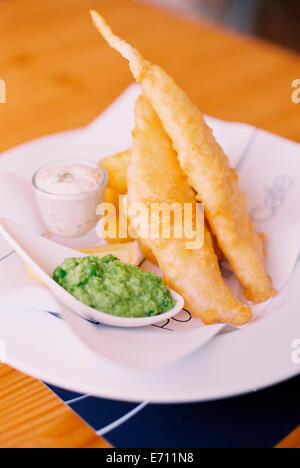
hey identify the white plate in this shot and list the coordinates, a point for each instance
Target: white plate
(234, 363)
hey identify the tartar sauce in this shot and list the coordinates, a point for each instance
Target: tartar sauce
(68, 194)
(68, 179)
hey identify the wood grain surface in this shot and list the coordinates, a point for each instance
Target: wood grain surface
(60, 74)
(292, 441)
(32, 416)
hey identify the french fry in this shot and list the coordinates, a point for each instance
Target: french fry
(116, 167)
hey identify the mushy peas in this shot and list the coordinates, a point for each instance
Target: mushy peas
(113, 287)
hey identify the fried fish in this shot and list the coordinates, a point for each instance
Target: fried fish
(206, 166)
(117, 166)
(155, 176)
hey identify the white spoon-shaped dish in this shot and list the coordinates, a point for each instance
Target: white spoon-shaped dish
(43, 256)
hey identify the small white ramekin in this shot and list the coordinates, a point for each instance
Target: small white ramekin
(71, 215)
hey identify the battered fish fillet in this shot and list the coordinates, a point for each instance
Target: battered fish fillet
(155, 176)
(117, 166)
(206, 166)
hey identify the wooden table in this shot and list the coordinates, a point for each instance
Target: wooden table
(60, 74)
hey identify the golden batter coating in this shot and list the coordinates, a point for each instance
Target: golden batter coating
(155, 176)
(206, 166)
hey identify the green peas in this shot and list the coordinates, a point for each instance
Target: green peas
(91, 270)
(115, 288)
(59, 274)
